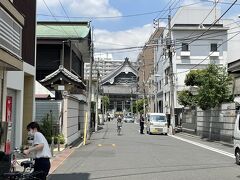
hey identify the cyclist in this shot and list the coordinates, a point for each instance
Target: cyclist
(119, 124)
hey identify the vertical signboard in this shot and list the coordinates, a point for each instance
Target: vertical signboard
(9, 123)
(9, 109)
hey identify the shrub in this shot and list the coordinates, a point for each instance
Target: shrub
(60, 137)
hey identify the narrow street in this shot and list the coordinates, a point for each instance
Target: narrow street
(134, 156)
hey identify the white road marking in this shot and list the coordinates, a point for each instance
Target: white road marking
(80, 145)
(205, 146)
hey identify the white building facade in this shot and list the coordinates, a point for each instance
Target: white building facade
(196, 43)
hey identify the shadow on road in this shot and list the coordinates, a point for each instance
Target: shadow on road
(73, 176)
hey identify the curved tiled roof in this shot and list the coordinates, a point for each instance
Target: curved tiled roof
(66, 73)
(125, 67)
(62, 29)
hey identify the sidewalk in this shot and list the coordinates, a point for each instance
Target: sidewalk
(59, 158)
(228, 147)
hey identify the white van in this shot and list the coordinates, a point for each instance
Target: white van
(236, 139)
(157, 123)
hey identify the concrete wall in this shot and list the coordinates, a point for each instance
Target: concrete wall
(189, 121)
(73, 122)
(72, 125)
(216, 124)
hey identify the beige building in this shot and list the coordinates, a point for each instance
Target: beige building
(17, 70)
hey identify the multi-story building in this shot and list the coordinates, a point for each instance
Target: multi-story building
(146, 61)
(17, 74)
(104, 64)
(234, 56)
(196, 43)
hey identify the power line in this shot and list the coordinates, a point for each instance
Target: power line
(67, 16)
(160, 14)
(215, 5)
(189, 38)
(53, 15)
(209, 54)
(213, 23)
(160, 45)
(227, 3)
(122, 16)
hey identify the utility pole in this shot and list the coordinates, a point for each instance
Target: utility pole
(144, 93)
(131, 103)
(169, 47)
(96, 117)
(90, 90)
(154, 80)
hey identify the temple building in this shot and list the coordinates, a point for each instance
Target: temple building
(120, 87)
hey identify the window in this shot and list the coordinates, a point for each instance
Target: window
(213, 47)
(185, 47)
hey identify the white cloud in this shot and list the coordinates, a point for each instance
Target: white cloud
(199, 3)
(93, 8)
(122, 39)
(79, 7)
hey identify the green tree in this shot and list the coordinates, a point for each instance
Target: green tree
(105, 103)
(186, 98)
(195, 78)
(139, 104)
(213, 87)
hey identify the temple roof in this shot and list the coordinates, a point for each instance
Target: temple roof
(125, 67)
(48, 29)
(62, 72)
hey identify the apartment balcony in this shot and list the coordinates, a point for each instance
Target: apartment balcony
(214, 54)
(185, 53)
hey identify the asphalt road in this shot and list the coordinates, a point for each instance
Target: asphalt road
(133, 156)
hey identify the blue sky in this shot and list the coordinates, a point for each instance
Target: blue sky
(120, 32)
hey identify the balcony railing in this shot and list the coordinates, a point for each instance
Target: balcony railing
(185, 53)
(10, 34)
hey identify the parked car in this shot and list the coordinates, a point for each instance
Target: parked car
(157, 123)
(236, 140)
(128, 119)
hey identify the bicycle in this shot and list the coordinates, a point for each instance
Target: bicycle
(26, 174)
(119, 127)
